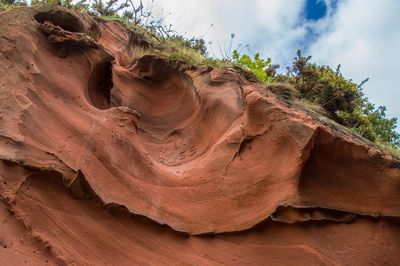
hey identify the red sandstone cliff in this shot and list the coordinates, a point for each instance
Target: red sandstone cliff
(105, 161)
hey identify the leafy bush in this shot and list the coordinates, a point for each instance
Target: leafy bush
(342, 99)
(258, 66)
(372, 123)
(322, 85)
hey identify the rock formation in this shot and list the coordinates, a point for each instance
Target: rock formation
(110, 159)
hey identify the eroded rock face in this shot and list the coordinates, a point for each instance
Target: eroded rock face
(105, 159)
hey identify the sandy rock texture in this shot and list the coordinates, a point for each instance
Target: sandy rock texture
(109, 160)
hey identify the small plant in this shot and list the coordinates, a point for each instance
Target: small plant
(258, 66)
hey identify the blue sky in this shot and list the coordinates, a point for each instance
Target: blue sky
(361, 35)
(315, 10)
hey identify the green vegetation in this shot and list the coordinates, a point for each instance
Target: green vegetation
(258, 66)
(12, 2)
(315, 87)
(6, 4)
(342, 99)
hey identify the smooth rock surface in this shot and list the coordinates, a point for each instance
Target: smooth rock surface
(109, 160)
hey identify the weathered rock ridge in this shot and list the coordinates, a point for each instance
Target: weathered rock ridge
(109, 160)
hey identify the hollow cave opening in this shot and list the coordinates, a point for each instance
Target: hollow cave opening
(100, 84)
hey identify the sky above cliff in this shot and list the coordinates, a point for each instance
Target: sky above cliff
(362, 36)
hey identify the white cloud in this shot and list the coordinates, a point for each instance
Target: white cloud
(264, 25)
(365, 39)
(363, 36)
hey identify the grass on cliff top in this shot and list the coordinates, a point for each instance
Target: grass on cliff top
(175, 51)
(171, 48)
(4, 6)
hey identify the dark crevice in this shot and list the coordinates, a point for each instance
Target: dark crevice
(290, 214)
(63, 19)
(100, 84)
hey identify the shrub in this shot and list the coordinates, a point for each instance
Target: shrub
(371, 122)
(258, 66)
(322, 85)
(343, 99)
